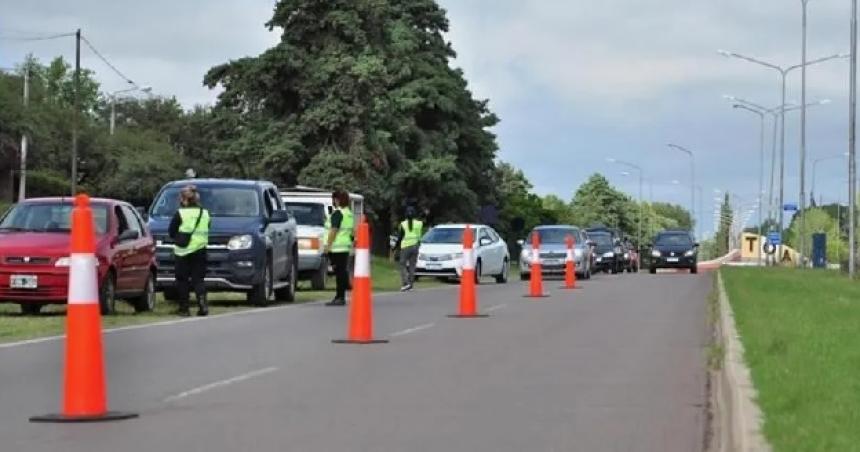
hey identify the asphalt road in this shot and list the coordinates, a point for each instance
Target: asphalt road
(618, 365)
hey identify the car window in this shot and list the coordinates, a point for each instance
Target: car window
(221, 201)
(131, 220)
(307, 213)
(674, 240)
(276, 200)
(49, 217)
(122, 223)
(267, 202)
(485, 235)
(494, 236)
(554, 235)
(443, 236)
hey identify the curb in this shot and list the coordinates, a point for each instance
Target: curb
(738, 416)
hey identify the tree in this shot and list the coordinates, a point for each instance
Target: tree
(818, 220)
(359, 95)
(723, 235)
(597, 202)
(681, 218)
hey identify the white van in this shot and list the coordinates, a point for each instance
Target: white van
(311, 207)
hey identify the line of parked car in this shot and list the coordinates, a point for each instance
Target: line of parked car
(263, 241)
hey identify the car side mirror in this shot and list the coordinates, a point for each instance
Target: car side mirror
(650, 245)
(143, 213)
(485, 242)
(696, 244)
(280, 216)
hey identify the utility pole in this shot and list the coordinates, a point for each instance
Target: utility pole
(77, 112)
(852, 123)
(22, 177)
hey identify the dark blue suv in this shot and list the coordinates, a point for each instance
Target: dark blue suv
(252, 240)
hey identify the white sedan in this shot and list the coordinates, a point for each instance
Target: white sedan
(441, 253)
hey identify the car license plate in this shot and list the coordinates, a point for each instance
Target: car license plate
(552, 261)
(434, 265)
(671, 259)
(23, 282)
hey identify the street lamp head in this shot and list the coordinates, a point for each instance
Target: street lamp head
(611, 159)
(724, 53)
(146, 89)
(824, 101)
(625, 173)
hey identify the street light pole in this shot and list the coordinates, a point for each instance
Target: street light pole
(692, 180)
(113, 96)
(802, 218)
(77, 112)
(22, 177)
(761, 170)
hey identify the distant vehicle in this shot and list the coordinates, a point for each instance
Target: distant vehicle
(311, 207)
(441, 252)
(674, 249)
(608, 252)
(34, 254)
(553, 251)
(630, 256)
(252, 241)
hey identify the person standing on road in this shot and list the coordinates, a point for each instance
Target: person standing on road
(408, 240)
(189, 230)
(339, 242)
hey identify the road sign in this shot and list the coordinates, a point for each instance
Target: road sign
(769, 248)
(774, 238)
(790, 207)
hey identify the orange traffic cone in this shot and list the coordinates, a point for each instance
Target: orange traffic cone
(569, 265)
(468, 297)
(361, 304)
(536, 279)
(84, 392)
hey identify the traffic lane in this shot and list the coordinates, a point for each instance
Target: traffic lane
(147, 365)
(617, 367)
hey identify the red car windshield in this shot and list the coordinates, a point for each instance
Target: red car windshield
(48, 217)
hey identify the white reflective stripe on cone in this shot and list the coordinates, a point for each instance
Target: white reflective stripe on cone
(535, 255)
(362, 263)
(83, 279)
(468, 259)
(570, 255)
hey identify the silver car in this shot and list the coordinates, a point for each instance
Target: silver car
(310, 230)
(553, 251)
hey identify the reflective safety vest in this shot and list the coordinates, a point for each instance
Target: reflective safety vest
(411, 237)
(200, 237)
(343, 240)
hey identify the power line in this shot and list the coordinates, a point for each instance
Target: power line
(34, 38)
(105, 61)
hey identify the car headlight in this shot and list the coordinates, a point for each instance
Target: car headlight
(608, 254)
(67, 261)
(240, 242)
(456, 256)
(690, 253)
(655, 253)
(422, 257)
(626, 255)
(526, 256)
(578, 252)
(309, 244)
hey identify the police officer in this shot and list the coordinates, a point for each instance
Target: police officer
(408, 240)
(339, 242)
(189, 229)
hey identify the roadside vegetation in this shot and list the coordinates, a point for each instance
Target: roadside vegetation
(14, 326)
(800, 331)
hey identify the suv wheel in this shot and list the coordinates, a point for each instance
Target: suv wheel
(653, 270)
(478, 272)
(146, 301)
(261, 294)
(318, 281)
(288, 293)
(694, 269)
(107, 295)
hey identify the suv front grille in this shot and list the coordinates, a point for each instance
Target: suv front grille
(27, 260)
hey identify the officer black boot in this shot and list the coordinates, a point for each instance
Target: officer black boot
(183, 310)
(203, 306)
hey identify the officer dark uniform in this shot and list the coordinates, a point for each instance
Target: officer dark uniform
(191, 220)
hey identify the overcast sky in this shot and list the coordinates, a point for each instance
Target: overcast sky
(573, 82)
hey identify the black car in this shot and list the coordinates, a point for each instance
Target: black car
(608, 253)
(252, 242)
(674, 249)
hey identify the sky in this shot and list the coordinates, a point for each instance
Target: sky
(574, 83)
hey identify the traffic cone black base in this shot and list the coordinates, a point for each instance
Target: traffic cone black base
(110, 416)
(536, 296)
(347, 341)
(471, 316)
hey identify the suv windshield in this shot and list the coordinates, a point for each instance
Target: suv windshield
(220, 201)
(307, 213)
(444, 235)
(554, 235)
(673, 240)
(49, 217)
(602, 239)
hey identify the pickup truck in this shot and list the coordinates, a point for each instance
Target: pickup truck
(252, 239)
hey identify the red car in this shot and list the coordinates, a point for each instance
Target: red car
(34, 254)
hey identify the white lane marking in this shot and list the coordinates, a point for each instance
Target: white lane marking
(249, 311)
(219, 384)
(496, 307)
(413, 330)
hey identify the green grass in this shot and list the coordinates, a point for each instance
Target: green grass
(14, 326)
(801, 333)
